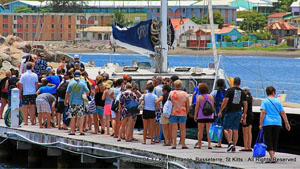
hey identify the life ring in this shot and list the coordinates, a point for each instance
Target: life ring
(7, 117)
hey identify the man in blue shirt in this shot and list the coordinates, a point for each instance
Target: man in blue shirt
(75, 101)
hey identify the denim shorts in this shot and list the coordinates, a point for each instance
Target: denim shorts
(232, 120)
(177, 119)
(100, 110)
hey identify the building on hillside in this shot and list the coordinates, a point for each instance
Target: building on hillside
(49, 26)
(262, 6)
(295, 21)
(94, 33)
(229, 30)
(281, 29)
(182, 26)
(295, 8)
(176, 9)
(275, 17)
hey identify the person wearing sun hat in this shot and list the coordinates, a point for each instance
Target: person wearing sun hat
(75, 101)
(107, 107)
(76, 60)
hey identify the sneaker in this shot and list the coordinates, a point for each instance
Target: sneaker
(230, 146)
(233, 150)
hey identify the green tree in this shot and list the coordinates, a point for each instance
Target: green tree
(65, 6)
(263, 34)
(23, 9)
(218, 19)
(253, 21)
(45, 10)
(227, 38)
(284, 5)
(119, 17)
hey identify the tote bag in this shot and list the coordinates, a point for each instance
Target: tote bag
(216, 130)
(259, 149)
(167, 109)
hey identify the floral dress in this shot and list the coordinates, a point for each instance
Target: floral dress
(123, 97)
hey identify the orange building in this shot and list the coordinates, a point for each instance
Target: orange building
(50, 26)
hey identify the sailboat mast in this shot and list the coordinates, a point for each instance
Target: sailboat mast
(164, 35)
(213, 41)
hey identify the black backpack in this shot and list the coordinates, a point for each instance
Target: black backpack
(207, 109)
(62, 90)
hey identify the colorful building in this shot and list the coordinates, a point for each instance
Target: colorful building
(275, 17)
(177, 9)
(229, 30)
(50, 26)
(262, 6)
(282, 29)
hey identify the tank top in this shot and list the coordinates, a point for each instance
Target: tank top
(200, 114)
(108, 99)
(98, 99)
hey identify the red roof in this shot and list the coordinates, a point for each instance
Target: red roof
(226, 28)
(277, 15)
(281, 25)
(176, 23)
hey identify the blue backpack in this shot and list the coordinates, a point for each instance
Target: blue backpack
(219, 98)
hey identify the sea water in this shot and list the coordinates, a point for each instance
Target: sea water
(256, 72)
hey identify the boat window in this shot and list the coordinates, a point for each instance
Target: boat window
(210, 83)
(144, 65)
(142, 85)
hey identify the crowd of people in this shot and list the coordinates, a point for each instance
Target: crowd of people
(68, 93)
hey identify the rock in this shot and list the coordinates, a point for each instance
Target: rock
(6, 65)
(10, 39)
(15, 63)
(5, 57)
(59, 55)
(2, 40)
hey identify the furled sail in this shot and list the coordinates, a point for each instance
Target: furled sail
(141, 38)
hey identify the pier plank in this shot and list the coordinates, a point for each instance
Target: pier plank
(190, 158)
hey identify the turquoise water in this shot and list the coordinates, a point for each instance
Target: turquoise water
(256, 72)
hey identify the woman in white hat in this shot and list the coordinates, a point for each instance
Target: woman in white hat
(107, 106)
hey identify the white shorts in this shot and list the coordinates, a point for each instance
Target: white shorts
(42, 106)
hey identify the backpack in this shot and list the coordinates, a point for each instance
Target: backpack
(62, 90)
(207, 109)
(115, 106)
(132, 105)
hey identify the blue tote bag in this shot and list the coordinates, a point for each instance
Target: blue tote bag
(259, 149)
(216, 130)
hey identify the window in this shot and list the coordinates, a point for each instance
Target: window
(84, 34)
(52, 17)
(34, 26)
(19, 25)
(61, 17)
(33, 17)
(41, 25)
(33, 35)
(52, 25)
(26, 18)
(26, 35)
(41, 35)
(52, 35)
(77, 35)
(70, 17)
(5, 16)
(27, 26)
(20, 34)
(77, 17)
(183, 10)
(60, 25)
(69, 26)
(5, 25)
(15, 26)
(69, 35)
(94, 34)
(60, 35)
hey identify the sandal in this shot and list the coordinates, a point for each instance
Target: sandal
(173, 147)
(185, 148)
(197, 147)
(82, 134)
(217, 146)
(152, 142)
(72, 134)
(119, 140)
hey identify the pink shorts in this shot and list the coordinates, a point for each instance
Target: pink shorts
(107, 109)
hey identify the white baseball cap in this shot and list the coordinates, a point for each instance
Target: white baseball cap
(76, 56)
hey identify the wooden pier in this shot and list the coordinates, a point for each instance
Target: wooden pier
(92, 146)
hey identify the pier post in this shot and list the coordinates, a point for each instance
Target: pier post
(87, 159)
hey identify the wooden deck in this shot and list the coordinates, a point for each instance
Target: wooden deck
(156, 154)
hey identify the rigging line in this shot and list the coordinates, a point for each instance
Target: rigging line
(262, 83)
(256, 73)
